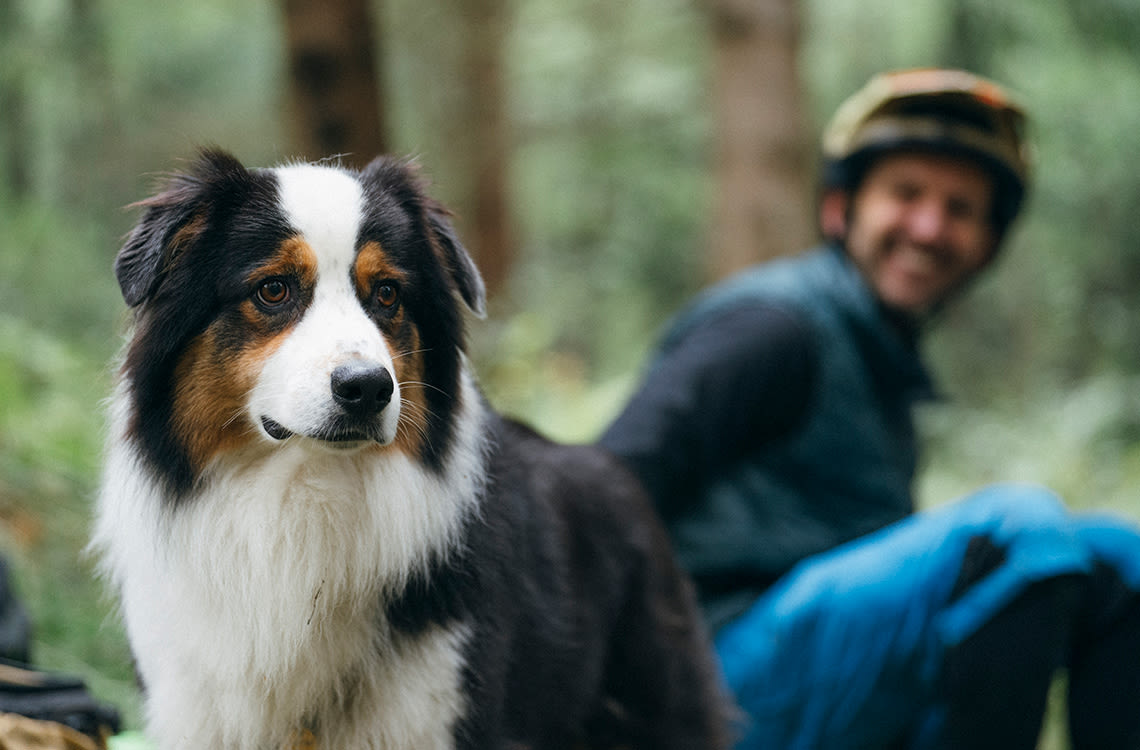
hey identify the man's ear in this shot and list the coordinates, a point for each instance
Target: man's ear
(833, 214)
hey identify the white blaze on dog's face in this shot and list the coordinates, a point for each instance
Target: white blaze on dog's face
(333, 377)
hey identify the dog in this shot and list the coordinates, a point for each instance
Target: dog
(319, 532)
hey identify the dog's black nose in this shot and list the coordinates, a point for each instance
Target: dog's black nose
(362, 388)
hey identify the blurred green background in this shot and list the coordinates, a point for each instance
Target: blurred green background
(609, 186)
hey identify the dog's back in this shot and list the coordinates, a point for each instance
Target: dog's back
(597, 628)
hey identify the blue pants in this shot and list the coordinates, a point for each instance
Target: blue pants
(861, 647)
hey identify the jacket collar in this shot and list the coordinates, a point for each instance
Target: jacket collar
(890, 340)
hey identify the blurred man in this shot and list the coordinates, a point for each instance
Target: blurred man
(774, 431)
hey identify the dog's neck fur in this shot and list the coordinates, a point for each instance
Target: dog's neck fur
(345, 532)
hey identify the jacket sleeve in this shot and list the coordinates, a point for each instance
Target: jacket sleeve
(734, 383)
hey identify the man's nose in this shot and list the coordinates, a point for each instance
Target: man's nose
(927, 221)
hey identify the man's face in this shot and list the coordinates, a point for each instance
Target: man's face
(919, 227)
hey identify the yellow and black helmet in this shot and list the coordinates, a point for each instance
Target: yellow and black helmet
(931, 109)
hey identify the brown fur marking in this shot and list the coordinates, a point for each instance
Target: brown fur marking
(212, 382)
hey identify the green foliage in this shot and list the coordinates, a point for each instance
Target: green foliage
(1083, 442)
(50, 429)
(55, 273)
(610, 189)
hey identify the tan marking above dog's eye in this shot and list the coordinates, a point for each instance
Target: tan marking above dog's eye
(387, 293)
(273, 292)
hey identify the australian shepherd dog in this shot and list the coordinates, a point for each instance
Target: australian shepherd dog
(320, 534)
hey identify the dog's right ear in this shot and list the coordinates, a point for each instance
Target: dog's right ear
(173, 221)
(464, 273)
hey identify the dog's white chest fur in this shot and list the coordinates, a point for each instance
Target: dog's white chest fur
(258, 603)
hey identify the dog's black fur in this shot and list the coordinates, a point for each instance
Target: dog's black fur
(588, 634)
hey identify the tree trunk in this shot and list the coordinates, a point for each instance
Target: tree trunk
(481, 139)
(334, 86)
(763, 205)
(17, 173)
(970, 39)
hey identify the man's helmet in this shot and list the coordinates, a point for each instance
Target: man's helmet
(944, 111)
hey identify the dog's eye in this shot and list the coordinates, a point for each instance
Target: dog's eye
(273, 292)
(387, 294)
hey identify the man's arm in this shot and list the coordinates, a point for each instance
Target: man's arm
(738, 381)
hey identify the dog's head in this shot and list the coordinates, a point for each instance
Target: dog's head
(303, 303)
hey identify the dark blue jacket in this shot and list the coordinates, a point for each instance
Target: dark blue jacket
(838, 377)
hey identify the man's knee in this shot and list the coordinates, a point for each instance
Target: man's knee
(1018, 506)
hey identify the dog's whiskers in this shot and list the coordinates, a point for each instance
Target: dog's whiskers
(417, 417)
(401, 355)
(423, 384)
(238, 413)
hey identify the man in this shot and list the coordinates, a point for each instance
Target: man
(775, 434)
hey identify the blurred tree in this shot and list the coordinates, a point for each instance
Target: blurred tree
(973, 34)
(480, 144)
(762, 207)
(97, 129)
(13, 104)
(334, 86)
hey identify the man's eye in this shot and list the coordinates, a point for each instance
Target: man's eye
(905, 191)
(387, 294)
(273, 293)
(964, 209)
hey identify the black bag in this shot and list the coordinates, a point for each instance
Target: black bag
(15, 627)
(42, 696)
(62, 699)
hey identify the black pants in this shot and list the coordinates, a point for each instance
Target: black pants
(997, 680)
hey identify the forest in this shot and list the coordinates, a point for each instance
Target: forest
(585, 146)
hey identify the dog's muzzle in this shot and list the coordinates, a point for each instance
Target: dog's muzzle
(361, 389)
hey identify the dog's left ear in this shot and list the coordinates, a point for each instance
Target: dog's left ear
(167, 226)
(463, 270)
(174, 221)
